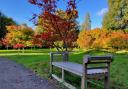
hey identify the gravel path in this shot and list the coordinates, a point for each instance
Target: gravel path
(14, 76)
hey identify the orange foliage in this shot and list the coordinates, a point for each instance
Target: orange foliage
(119, 40)
(99, 38)
(84, 39)
(13, 27)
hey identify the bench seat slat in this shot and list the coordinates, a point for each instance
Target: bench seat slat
(69, 66)
(77, 68)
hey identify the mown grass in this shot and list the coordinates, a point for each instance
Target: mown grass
(26, 51)
(40, 65)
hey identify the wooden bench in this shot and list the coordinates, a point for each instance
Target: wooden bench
(85, 71)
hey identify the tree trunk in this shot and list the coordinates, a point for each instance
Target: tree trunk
(23, 50)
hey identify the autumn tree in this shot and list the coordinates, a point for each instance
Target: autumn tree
(87, 23)
(56, 27)
(118, 40)
(27, 32)
(117, 15)
(37, 41)
(4, 21)
(17, 35)
(103, 39)
(87, 38)
(62, 14)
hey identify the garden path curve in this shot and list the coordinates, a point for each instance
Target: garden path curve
(15, 76)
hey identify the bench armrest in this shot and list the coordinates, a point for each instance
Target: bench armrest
(86, 58)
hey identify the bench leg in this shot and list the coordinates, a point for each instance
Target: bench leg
(84, 82)
(106, 82)
(51, 70)
(62, 75)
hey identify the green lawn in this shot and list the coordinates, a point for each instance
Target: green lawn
(38, 61)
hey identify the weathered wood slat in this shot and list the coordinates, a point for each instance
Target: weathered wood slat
(104, 59)
(69, 66)
(65, 83)
(100, 58)
(104, 67)
(77, 68)
(59, 53)
(98, 62)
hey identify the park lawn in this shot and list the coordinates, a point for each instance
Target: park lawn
(40, 65)
(36, 50)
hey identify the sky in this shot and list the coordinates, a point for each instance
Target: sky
(21, 11)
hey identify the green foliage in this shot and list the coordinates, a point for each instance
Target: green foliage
(27, 33)
(38, 29)
(5, 21)
(117, 15)
(29, 43)
(87, 23)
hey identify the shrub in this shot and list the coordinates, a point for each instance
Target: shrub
(118, 40)
(18, 46)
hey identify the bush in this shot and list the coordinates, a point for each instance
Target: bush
(119, 40)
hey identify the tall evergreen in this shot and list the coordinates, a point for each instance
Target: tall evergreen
(117, 15)
(87, 23)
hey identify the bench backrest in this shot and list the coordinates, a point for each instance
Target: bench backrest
(59, 56)
(98, 62)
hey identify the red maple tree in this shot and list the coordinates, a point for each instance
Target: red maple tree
(56, 28)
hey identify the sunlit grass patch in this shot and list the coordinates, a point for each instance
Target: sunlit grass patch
(122, 52)
(9, 54)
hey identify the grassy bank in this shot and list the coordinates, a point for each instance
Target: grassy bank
(38, 61)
